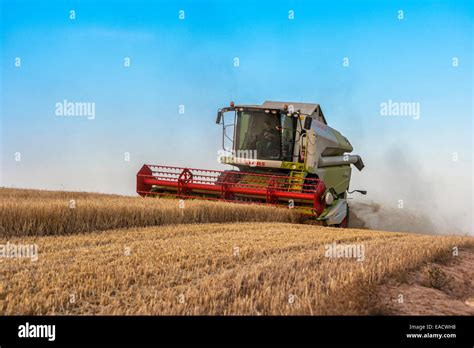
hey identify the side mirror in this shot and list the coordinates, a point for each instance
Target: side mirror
(219, 116)
(307, 122)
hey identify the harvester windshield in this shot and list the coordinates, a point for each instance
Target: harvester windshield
(269, 135)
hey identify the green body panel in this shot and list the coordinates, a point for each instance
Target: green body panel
(337, 177)
(343, 144)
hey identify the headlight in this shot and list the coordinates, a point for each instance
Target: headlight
(329, 198)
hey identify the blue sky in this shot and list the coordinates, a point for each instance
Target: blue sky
(190, 62)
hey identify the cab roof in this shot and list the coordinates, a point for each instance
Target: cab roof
(313, 110)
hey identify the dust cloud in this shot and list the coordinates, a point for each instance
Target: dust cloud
(374, 216)
(433, 203)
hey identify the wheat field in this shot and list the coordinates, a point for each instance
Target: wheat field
(244, 268)
(40, 213)
(225, 268)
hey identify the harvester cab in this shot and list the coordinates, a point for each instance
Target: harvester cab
(283, 154)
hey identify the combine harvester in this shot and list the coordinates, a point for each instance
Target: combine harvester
(283, 154)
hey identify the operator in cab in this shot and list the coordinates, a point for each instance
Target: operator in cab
(268, 143)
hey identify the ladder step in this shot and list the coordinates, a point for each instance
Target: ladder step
(296, 181)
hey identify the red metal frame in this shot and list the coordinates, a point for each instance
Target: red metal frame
(229, 186)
